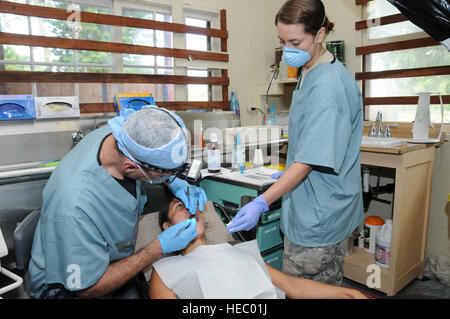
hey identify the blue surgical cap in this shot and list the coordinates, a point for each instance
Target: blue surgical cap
(151, 135)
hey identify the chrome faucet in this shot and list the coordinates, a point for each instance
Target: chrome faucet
(387, 130)
(373, 131)
(379, 119)
(380, 132)
(77, 137)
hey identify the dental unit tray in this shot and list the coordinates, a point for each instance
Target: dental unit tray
(132, 100)
(17, 107)
(57, 107)
(254, 178)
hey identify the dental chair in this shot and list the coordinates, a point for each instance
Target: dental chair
(148, 230)
(23, 241)
(5, 272)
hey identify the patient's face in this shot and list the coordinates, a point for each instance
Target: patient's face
(179, 213)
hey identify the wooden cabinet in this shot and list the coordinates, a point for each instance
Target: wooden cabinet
(413, 164)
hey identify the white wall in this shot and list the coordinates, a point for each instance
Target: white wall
(252, 40)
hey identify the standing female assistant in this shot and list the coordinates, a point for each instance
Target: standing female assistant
(321, 188)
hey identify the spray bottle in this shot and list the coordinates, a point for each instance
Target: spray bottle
(238, 154)
(272, 118)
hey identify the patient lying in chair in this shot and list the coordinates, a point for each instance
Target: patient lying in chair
(224, 271)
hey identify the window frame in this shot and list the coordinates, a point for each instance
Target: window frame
(154, 9)
(211, 20)
(370, 46)
(74, 64)
(210, 57)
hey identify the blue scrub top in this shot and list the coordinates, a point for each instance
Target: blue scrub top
(325, 131)
(88, 220)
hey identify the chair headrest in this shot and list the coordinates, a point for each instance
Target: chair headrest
(23, 239)
(148, 230)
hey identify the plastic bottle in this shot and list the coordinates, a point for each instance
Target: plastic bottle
(367, 192)
(234, 165)
(213, 155)
(234, 104)
(238, 154)
(372, 226)
(283, 71)
(258, 160)
(271, 118)
(383, 245)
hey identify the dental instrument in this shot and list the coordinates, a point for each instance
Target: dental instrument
(181, 230)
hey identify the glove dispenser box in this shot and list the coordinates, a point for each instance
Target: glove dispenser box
(57, 107)
(17, 107)
(132, 101)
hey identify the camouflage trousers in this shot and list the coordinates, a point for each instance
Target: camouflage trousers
(322, 264)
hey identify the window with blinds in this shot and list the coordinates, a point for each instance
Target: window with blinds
(399, 60)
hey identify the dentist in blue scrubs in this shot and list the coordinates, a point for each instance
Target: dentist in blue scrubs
(321, 187)
(84, 241)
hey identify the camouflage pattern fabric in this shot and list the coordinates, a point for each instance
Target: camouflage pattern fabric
(323, 264)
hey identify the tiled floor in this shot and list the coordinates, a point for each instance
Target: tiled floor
(426, 288)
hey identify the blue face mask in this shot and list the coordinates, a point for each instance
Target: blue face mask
(296, 58)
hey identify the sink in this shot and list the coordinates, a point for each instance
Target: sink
(382, 141)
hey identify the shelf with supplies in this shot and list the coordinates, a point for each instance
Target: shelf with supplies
(288, 82)
(410, 216)
(277, 87)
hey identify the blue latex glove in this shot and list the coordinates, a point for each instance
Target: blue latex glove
(248, 216)
(197, 196)
(178, 236)
(277, 175)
